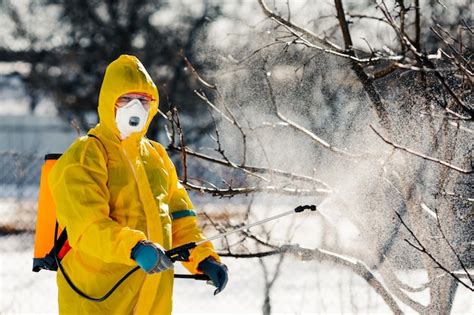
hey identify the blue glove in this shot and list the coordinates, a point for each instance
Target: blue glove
(151, 257)
(216, 271)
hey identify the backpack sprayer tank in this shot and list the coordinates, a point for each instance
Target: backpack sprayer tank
(45, 223)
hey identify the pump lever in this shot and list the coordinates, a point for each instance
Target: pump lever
(180, 253)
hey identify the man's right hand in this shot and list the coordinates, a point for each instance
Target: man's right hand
(151, 257)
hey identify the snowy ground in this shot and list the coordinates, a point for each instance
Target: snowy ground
(302, 288)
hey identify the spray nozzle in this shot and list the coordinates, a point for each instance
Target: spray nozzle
(305, 207)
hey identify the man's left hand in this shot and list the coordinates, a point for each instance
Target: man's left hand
(216, 271)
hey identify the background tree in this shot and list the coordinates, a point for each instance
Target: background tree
(67, 54)
(378, 129)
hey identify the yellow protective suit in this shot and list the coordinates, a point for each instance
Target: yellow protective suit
(110, 194)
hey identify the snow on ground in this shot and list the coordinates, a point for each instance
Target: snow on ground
(302, 288)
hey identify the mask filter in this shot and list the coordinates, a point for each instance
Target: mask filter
(131, 118)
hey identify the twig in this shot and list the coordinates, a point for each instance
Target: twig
(457, 58)
(219, 229)
(452, 248)
(182, 144)
(242, 133)
(363, 16)
(172, 133)
(224, 156)
(456, 168)
(76, 127)
(203, 96)
(230, 119)
(195, 73)
(217, 139)
(467, 26)
(289, 10)
(233, 120)
(423, 250)
(238, 62)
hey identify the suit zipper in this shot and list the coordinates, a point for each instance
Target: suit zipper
(138, 188)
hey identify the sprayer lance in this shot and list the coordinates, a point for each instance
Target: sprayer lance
(181, 253)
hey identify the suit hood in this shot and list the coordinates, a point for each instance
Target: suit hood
(125, 75)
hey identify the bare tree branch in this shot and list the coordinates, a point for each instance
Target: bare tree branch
(423, 250)
(177, 122)
(388, 272)
(305, 32)
(196, 74)
(341, 16)
(396, 286)
(234, 191)
(424, 60)
(256, 169)
(356, 266)
(417, 26)
(452, 248)
(364, 16)
(304, 130)
(456, 168)
(366, 81)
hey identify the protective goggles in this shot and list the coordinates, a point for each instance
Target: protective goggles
(144, 100)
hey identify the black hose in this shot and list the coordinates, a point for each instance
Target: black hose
(76, 289)
(116, 285)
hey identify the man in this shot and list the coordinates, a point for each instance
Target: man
(119, 197)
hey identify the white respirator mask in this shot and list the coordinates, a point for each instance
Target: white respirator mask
(131, 118)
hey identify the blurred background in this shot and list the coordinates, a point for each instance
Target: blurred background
(274, 106)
